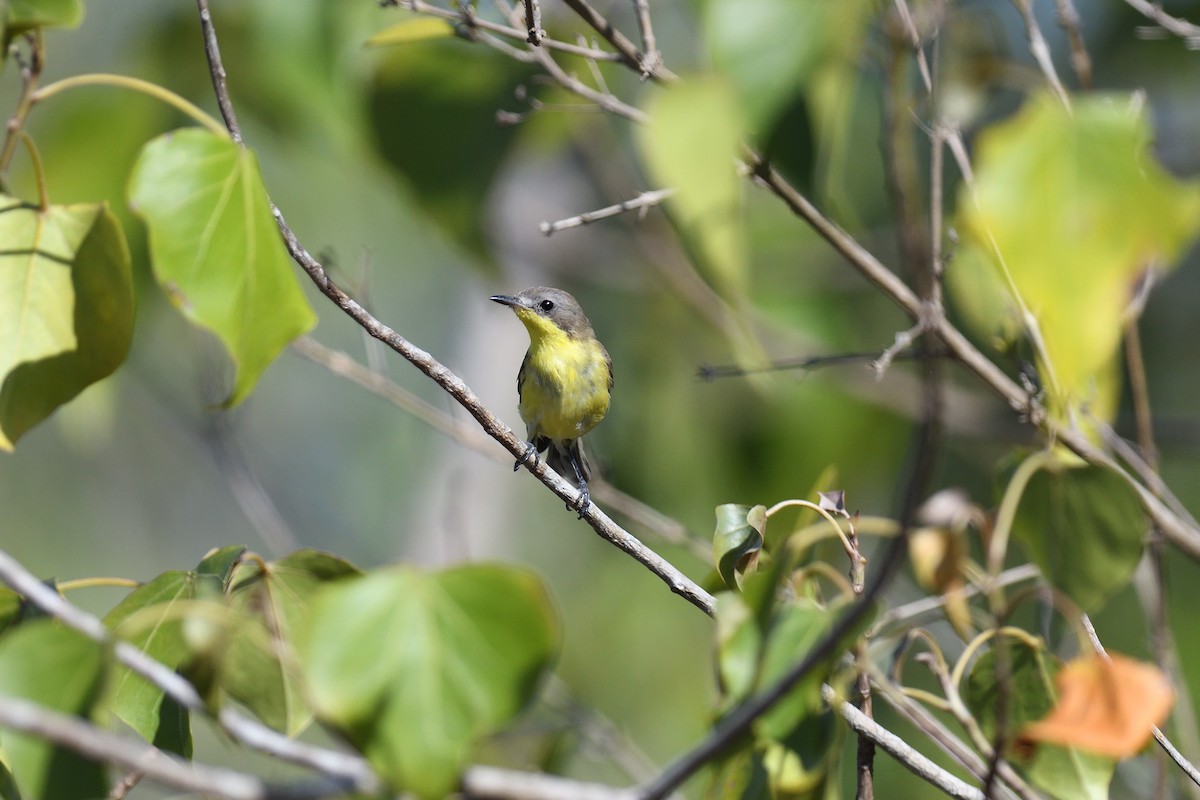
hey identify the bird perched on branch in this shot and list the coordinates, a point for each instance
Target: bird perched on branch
(564, 384)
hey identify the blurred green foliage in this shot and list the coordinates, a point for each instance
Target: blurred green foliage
(389, 162)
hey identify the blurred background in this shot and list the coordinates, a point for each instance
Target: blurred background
(392, 167)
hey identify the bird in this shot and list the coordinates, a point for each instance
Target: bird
(565, 382)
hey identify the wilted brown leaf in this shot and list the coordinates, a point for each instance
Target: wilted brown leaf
(1105, 706)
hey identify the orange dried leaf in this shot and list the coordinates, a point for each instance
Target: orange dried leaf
(1107, 707)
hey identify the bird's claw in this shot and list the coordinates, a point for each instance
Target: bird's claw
(582, 502)
(530, 453)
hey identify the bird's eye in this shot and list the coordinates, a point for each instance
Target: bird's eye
(546, 305)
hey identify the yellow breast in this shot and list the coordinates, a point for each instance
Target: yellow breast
(564, 386)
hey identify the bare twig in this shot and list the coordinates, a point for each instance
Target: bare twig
(494, 783)
(472, 23)
(642, 201)
(533, 22)
(628, 50)
(217, 70)
(1041, 51)
(652, 59)
(1188, 31)
(125, 785)
(917, 715)
(903, 615)
(898, 749)
(100, 745)
(1081, 62)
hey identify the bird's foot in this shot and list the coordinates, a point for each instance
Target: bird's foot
(529, 456)
(582, 502)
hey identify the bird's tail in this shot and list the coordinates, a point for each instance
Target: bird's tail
(558, 458)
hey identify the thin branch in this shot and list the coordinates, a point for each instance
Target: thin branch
(628, 50)
(1081, 62)
(471, 22)
(1180, 27)
(898, 749)
(141, 758)
(605, 101)
(1041, 51)
(642, 201)
(533, 22)
(254, 734)
(918, 716)
(494, 783)
(652, 59)
(905, 614)
(217, 70)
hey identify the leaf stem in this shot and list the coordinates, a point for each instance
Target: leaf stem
(35, 159)
(137, 85)
(91, 583)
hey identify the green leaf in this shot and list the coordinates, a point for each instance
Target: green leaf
(739, 643)
(152, 617)
(413, 30)
(771, 49)
(1069, 208)
(260, 669)
(794, 631)
(62, 670)
(1060, 772)
(413, 667)
(221, 561)
(1084, 527)
(216, 249)
(66, 308)
(433, 113)
(25, 15)
(738, 540)
(691, 144)
(10, 608)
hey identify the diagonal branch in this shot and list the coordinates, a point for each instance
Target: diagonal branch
(161, 767)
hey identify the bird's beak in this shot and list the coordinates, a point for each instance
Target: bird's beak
(506, 300)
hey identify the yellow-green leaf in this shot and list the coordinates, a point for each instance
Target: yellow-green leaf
(24, 15)
(692, 143)
(66, 307)
(413, 30)
(216, 249)
(1069, 208)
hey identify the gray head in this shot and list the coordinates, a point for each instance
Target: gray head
(543, 306)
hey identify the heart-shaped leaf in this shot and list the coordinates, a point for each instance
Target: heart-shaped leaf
(1084, 527)
(1068, 209)
(153, 618)
(259, 669)
(216, 249)
(66, 307)
(413, 667)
